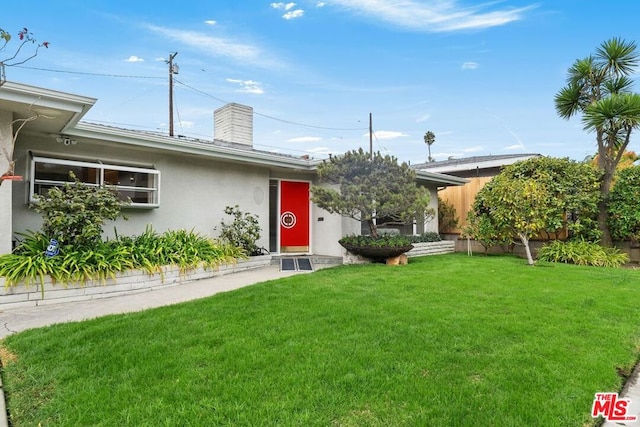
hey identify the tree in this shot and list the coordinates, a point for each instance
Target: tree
(25, 37)
(371, 189)
(572, 193)
(529, 197)
(516, 208)
(599, 88)
(429, 139)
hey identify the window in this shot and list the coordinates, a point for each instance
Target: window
(140, 185)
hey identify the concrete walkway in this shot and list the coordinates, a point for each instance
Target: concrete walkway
(20, 319)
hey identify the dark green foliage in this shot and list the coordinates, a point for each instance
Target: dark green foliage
(624, 205)
(384, 240)
(243, 231)
(572, 190)
(552, 193)
(371, 189)
(76, 212)
(425, 237)
(581, 252)
(447, 219)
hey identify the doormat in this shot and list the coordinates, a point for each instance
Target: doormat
(295, 264)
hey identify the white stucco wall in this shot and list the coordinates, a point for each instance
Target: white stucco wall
(7, 187)
(193, 191)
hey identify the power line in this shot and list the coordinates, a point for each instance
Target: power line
(266, 115)
(201, 92)
(88, 74)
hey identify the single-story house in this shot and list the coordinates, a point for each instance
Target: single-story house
(478, 170)
(173, 182)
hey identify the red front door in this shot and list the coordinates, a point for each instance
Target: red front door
(294, 216)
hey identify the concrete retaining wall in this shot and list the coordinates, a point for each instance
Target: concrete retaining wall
(125, 283)
(432, 248)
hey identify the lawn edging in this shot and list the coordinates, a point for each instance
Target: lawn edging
(128, 282)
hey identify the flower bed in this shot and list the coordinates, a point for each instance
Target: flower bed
(132, 281)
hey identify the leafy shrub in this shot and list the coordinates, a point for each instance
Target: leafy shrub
(624, 215)
(243, 231)
(447, 220)
(581, 252)
(149, 251)
(76, 212)
(430, 236)
(384, 240)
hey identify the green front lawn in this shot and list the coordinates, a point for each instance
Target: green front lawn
(446, 340)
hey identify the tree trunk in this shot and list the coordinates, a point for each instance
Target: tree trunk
(603, 208)
(525, 241)
(373, 229)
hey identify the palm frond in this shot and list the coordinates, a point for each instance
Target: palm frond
(618, 56)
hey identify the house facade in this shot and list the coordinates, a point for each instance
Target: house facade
(173, 182)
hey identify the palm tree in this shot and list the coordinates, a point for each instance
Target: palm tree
(429, 139)
(599, 88)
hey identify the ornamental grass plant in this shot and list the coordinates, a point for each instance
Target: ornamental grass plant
(149, 251)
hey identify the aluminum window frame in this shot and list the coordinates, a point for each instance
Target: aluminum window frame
(153, 191)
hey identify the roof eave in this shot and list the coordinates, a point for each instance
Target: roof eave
(133, 138)
(440, 179)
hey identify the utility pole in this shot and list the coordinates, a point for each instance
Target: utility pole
(173, 69)
(370, 137)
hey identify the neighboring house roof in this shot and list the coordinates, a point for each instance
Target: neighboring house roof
(64, 111)
(473, 163)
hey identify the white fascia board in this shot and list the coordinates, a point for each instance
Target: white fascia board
(47, 99)
(166, 143)
(440, 178)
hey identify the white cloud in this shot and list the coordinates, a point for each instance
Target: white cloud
(305, 139)
(285, 6)
(434, 16)
(323, 150)
(470, 65)
(217, 46)
(388, 134)
(210, 22)
(423, 118)
(320, 4)
(515, 147)
(293, 14)
(134, 58)
(248, 86)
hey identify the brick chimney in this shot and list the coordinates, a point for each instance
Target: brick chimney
(233, 123)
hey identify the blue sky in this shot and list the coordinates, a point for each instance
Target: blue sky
(480, 75)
